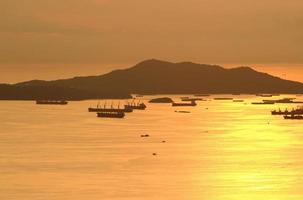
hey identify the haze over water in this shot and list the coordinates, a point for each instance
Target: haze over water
(230, 151)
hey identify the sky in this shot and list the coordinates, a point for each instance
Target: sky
(51, 39)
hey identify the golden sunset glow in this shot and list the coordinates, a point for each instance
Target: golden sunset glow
(90, 36)
(151, 99)
(244, 153)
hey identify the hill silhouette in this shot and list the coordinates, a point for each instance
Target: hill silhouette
(154, 77)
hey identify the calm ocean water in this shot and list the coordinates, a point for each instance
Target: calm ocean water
(221, 150)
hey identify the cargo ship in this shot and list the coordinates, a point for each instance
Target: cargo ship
(135, 106)
(297, 111)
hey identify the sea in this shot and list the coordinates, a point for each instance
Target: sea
(219, 150)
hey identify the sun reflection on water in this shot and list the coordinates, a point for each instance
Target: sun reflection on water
(220, 150)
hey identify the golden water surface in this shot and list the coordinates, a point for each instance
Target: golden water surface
(221, 150)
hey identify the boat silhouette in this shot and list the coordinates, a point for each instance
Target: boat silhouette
(111, 109)
(280, 112)
(192, 103)
(135, 106)
(115, 114)
(238, 100)
(223, 98)
(264, 95)
(51, 102)
(182, 111)
(284, 100)
(297, 111)
(191, 99)
(293, 117)
(263, 103)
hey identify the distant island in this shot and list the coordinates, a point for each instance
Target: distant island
(161, 100)
(153, 77)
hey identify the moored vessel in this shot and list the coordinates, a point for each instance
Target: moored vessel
(191, 99)
(182, 111)
(98, 108)
(192, 103)
(223, 98)
(287, 100)
(297, 111)
(238, 100)
(263, 103)
(51, 102)
(115, 114)
(284, 100)
(126, 110)
(264, 95)
(135, 106)
(294, 117)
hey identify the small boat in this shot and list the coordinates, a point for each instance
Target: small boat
(182, 111)
(294, 117)
(192, 103)
(111, 114)
(269, 101)
(223, 98)
(191, 99)
(264, 95)
(238, 100)
(51, 102)
(285, 100)
(146, 135)
(288, 100)
(263, 103)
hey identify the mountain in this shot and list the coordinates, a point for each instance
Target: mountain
(154, 77)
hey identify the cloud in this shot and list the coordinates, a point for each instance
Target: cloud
(108, 30)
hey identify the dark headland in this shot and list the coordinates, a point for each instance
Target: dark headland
(153, 77)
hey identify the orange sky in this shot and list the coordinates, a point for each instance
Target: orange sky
(50, 39)
(17, 73)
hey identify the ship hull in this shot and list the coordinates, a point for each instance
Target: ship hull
(263, 103)
(296, 117)
(183, 104)
(111, 115)
(125, 110)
